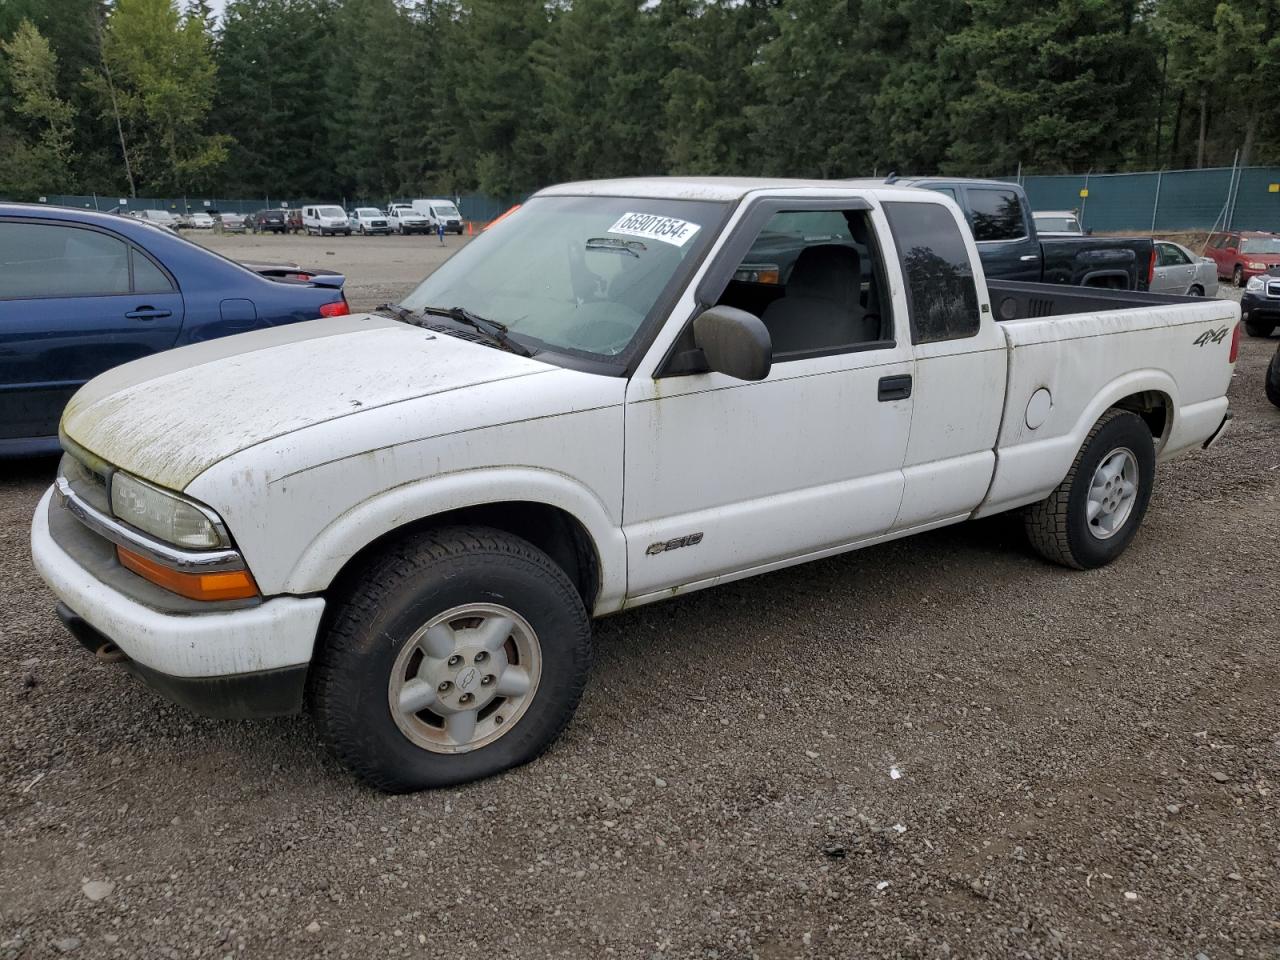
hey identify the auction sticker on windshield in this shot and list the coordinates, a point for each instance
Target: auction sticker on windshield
(653, 227)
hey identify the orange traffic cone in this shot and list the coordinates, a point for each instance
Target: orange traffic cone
(469, 233)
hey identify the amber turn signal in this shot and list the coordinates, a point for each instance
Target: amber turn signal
(224, 585)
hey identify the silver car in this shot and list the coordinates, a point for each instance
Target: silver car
(1180, 271)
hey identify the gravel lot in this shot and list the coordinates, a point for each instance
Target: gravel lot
(941, 747)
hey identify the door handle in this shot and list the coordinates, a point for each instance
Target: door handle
(894, 388)
(148, 313)
(1029, 257)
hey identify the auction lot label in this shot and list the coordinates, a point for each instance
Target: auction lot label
(650, 226)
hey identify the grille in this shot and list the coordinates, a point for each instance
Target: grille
(1273, 288)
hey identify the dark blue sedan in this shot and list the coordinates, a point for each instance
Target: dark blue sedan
(81, 292)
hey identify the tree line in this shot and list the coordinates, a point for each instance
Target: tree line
(381, 98)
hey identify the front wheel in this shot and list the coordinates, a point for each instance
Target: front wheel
(457, 654)
(1096, 510)
(1259, 328)
(1237, 276)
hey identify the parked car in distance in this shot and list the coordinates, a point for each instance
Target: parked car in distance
(81, 292)
(439, 211)
(1057, 223)
(201, 220)
(161, 218)
(232, 222)
(270, 221)
(370, 220)
(1243, 254)
(1180, 271)
(405, 219)
(1000, 218)
(418, 511)
(293, 220)
(1260, 303)
(325, 221)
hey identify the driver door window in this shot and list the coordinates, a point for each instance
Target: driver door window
(816, 280)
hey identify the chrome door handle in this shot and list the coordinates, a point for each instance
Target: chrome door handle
(1029, 256)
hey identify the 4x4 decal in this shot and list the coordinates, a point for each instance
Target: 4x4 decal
(1211, 336)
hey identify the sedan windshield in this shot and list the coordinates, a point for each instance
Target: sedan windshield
(575, 274)
(1260, 245)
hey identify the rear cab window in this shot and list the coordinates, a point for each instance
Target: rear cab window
(995, 214)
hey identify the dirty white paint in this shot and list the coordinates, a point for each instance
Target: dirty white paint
(231, 394)
(278, 633)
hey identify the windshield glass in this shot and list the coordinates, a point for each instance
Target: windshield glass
(575, 274)
(367, 212)
(1260, 245)
(331, 212)
(445, 210)
(1057, 224)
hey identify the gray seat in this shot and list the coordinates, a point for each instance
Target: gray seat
(821, 309)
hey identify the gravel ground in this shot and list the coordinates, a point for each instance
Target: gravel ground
(940, 747)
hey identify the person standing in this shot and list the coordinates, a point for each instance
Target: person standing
(440, 230)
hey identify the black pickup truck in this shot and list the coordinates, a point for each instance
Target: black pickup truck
(1000, 217)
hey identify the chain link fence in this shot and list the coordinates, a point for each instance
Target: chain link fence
(1240, 198)
(1222, 198)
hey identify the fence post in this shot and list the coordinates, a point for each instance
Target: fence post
(1156, 206)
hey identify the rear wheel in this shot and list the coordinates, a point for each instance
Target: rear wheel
(459, 653)
(1095, 512)
(1273, 379)
(1259, 328)
(1195, 291)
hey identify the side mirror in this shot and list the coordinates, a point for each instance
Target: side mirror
(735, 343)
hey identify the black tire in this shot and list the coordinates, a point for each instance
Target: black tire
(1259, 328)
(1058, 526)
(1237, 276)
(1273, 379)
(402, 590)
(1195, 291)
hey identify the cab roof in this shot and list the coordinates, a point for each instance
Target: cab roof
(722, 189)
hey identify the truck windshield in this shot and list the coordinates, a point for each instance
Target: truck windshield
(1260, 245)
(331, 212)
(578, 275)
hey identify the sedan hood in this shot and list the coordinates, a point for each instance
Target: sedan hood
(171, 416)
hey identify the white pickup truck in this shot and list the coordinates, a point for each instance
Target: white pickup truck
(404, 521)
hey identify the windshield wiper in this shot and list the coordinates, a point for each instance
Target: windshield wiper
(619, 246)
(495, 331)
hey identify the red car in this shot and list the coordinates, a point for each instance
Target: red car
(1243, 254)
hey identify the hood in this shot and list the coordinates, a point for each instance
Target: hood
(169, 417)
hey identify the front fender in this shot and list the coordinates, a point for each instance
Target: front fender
(352, 531)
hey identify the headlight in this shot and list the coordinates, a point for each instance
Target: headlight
(1256, 266)
(1254, 285)
(164, 515)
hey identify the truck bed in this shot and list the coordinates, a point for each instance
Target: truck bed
(1164, 356)
(1017, 300)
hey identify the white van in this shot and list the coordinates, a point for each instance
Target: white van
(440, 211)
(326, 220)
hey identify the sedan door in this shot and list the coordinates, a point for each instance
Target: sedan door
(75, 300)
(1174, 273)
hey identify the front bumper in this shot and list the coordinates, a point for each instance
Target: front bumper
(1257, 307)
(211, 661)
